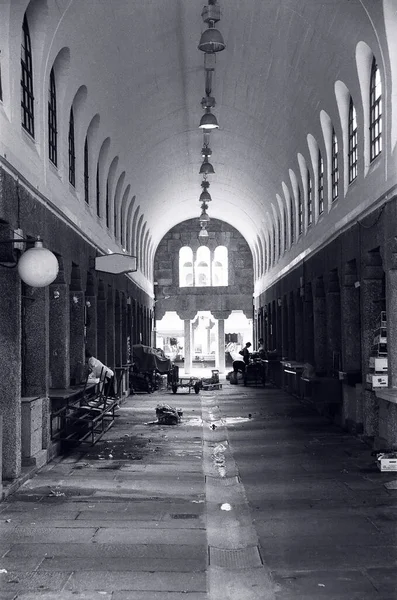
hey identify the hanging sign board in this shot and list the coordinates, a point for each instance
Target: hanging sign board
(116, 263)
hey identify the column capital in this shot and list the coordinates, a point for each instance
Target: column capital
(221, 314)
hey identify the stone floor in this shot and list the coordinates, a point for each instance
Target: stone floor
(253, 496)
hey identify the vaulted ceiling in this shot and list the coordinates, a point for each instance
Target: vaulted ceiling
(145, 78)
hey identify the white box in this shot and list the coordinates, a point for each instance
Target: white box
(379, 365)
(387, 464)
(378, 381)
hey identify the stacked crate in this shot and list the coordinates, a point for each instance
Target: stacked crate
(378, 365)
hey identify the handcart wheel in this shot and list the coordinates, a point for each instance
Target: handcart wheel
(174, 388)
(197, 387)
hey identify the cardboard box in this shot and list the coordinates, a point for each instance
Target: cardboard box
(378, 381)
(379, 365)
(387, 464)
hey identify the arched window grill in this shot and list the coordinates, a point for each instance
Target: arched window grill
(185, 267)
(52, 120)
(202, 272)
(285, 229)
(320, 174)
(375, 117)
(107, 206)
(309, 199)
(220, 266)
(353, 152)
(72, 155)
(300, 211)
(292, 221)
(334, 167)
(98, 194)
(27, 98)
(86, 176)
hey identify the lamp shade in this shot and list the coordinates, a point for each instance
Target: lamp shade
(208, 120)
(205, 196)
(38, 266)
(211, 41)
(203, 233)
(206, 168)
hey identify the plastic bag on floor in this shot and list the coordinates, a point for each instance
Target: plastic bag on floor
(168, 415)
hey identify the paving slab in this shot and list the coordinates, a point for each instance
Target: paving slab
(138, 581)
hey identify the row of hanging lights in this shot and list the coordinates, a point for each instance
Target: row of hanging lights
(211, 42)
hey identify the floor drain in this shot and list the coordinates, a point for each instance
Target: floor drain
(239, 558)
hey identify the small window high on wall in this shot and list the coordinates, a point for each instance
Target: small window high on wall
(185, 267)
(220, 266)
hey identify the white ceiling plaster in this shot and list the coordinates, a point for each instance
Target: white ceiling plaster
(145, 78)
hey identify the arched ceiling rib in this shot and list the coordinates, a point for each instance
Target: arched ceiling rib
(145, 79)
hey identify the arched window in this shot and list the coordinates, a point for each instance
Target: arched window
(375, 116)
(220, 266)
(353, 156)
(86, 176)
(292, 222)
(285, 229)
(27, 99)
(309, 199)
(107, 207)
(274, 244)
(320, 174)
(185, 267)
(52, 120)
(334, 167)
(202, 275)
(72, 155)
(300, 211)
(98, 195)
(279, 236)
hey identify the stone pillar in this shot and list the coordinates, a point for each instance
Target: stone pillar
(77, 342)
(299, 350)
(117, 330)
(35, 355)
(91, 324)
(371, 305)
(351, 345)
(285, 329)
(110, 330)
(320, 327)
(101, 323)
(333, 312)
(10, 380)
(308, 331)
(59, 326)
(391, 320)
(188, 346)
(279, 336)
(124, 307)
(221, 346)
(291, 327)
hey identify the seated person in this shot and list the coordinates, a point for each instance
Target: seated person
(97, 370)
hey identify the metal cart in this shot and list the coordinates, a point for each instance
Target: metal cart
(174, 381)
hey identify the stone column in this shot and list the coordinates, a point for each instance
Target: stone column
(117, 330)
(279, 336)
(308, 332)
(371, 306)
(320, 327)
(188, 346)
(124, 329)
(351, 345)
(285, 352)
(10, 380)
(91, 324)
(77, 345)
(291, 327)
(101, 323)
(299, 329)
(110, 330)
(59, 328)
(221, 346)
(333, 312)
(35, 353)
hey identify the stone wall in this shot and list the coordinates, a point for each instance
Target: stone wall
(186, 301)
